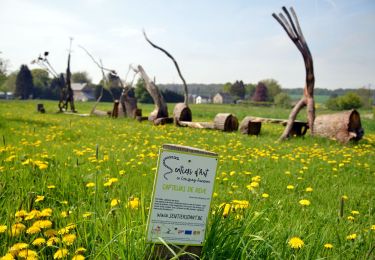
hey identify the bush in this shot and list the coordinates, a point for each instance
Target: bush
(349, 101)
(283, 100)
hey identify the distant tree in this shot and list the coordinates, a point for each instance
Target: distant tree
(3, 71)
(81, 77)
(226, 87)
(350, 100)
(172, 96)
(141, 93)
(237, 90)
(273, 88)
(10, 82)
(24, 83)
(283, 100)
(250, 89)
(365, 94)
(42, 84)
(261, 93)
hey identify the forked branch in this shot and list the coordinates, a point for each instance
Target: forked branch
(291, 26)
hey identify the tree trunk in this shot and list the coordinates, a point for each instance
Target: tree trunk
(343, 126)
(161, 109)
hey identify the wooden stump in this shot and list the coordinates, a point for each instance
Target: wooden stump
(115, 109)
(343, 126)
(226, 122)
(40, 108)
(182, 112)
(249, 127)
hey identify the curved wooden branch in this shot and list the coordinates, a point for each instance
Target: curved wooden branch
(292, 27)
(186, 98)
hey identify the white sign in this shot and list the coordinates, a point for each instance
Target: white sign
(182, 196)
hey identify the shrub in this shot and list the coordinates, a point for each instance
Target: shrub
(349, 101)
(283, 100)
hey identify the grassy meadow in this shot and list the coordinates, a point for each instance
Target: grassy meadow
(60, 199)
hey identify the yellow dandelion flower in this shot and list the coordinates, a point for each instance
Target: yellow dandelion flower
(344, 197)
(43, 224)
(21, 214)
(86, 214)
(80, 250)
(69, 239)
(33, 230)
(309, 189)
(304, 202)
(50, 233)
(42, 166)
(254, 184)
(63, 231)
(114, 202)
(372, 227)
(215, 195)
(33, 214)
(61, 253)
(3, 228)
(355, 212)
(240, 204)
(328, 246)
(265, 195)
(90, 185)
(64, 214)
(133, 203)
(46, 212)
(39, 198)
(78, 257)
(351, 237)
(51, 186)
(53, 241)
(296, 243)
(17, 247)
(350, 218)
(7, 256)
(290, 187)
(122, 172)
(39, 241)
(226, 209)
(17, 229)
(28, 253)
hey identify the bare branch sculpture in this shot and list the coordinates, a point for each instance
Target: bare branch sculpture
(181, 111)
(293, 30)
(161, 109)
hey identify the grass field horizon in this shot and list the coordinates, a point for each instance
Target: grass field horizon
(272, 200)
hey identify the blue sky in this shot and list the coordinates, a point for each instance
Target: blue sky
(213, 41)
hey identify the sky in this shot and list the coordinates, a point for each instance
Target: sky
(213, 41)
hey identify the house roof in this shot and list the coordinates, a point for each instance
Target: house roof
(224, 95)
(78, 86)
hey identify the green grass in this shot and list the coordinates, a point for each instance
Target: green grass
(128, 152)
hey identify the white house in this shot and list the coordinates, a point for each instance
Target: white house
(82, 92)
(202, 100)
(223, 98)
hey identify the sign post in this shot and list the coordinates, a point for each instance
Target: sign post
(181, 198)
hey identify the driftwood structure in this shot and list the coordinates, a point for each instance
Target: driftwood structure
(161, 108)
(252, 125)
(293, 29)
(181, 111)
(343, 126)
(223, 121)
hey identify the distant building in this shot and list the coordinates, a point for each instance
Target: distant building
(223, 98)
(82, 92)
(202, 100)
(192, 98)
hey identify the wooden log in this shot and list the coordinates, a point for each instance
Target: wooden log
(182, 112)
(200, 125)
(141, 118)
(163, 121)
(226, 122)
(100, 113)
(40, 108)
(249, 127)
(343, 126)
